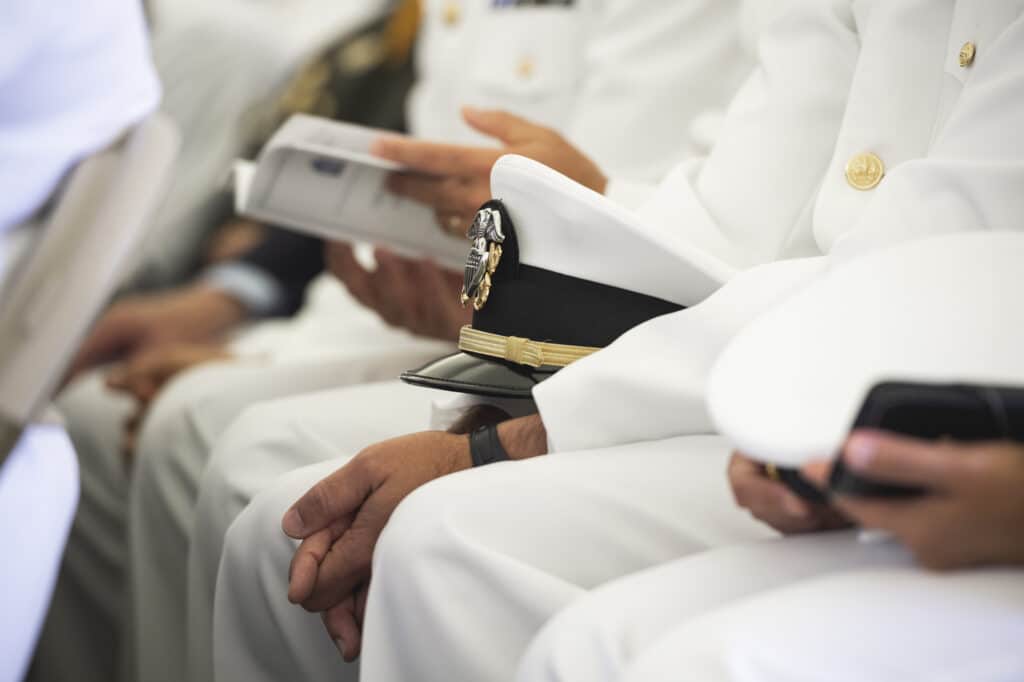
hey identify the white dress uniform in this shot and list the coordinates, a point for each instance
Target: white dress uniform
(826, 606)
(73, 76)
(863, 126)
(587, 69)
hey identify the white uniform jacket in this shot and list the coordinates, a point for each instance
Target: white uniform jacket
(866, 123)
(624, 80)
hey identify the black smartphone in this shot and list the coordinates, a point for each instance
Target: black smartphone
(958, 412)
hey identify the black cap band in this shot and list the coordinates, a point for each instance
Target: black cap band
(542, 305)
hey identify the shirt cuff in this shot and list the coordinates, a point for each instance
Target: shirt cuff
(258, 292)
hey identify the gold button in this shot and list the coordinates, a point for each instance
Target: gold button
(967, 53)
(865, 171)
(452, 13)
(526, 68)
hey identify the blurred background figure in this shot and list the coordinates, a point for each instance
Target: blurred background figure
(74, 75)
(220, 64)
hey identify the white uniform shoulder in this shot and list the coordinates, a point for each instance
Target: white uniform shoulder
(77, 67)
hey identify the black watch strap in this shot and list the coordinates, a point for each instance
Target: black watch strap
(485, 446)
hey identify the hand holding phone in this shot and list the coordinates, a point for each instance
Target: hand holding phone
(958, 412)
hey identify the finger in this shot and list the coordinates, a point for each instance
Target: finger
(345, 566)
(818, 472)
(422, 307)
(770, 498)
(145, 379)
(117, 378)
(509, 128)
(390, 285)
(348, 562)
(337, 254)
(761, 495)
(896, 459)
(788, 513)
(135, 371)
(434, 158)
(437, 282)
(150, 371)
(451, 223)
(129, 439)
(441, 194)
(742, 468)
(344, 629)
(109, 338)
(442, 289)
(353, 275)
(896, 516)
(361, 597)
(334, 498)
(305, 565)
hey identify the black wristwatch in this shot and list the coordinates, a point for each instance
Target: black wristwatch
(485, 446)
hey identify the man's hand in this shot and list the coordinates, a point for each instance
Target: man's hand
(233, 240)
(340, 518)
(773, 503)
(973, 514)
(145, 374)
(456, 180)
(194, 314)
(415, 295)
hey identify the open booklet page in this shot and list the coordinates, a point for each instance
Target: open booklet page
(317, 176)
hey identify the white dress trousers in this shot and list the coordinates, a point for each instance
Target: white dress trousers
(817, 607)
(153, 506)
(473, 564)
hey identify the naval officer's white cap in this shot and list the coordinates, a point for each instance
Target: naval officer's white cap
(556, 272)
(941, 310)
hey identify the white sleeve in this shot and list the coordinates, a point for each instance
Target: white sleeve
(649, 384)
(750, 201)
(651, 67)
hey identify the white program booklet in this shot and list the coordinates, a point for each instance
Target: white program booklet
(317, 176)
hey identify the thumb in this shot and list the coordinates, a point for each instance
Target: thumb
(108, 338)
(333, 498)
(508, 128)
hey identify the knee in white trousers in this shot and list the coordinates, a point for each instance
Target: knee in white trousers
(267, 442)
(885, 623)
(472, 565)
(258, 635)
